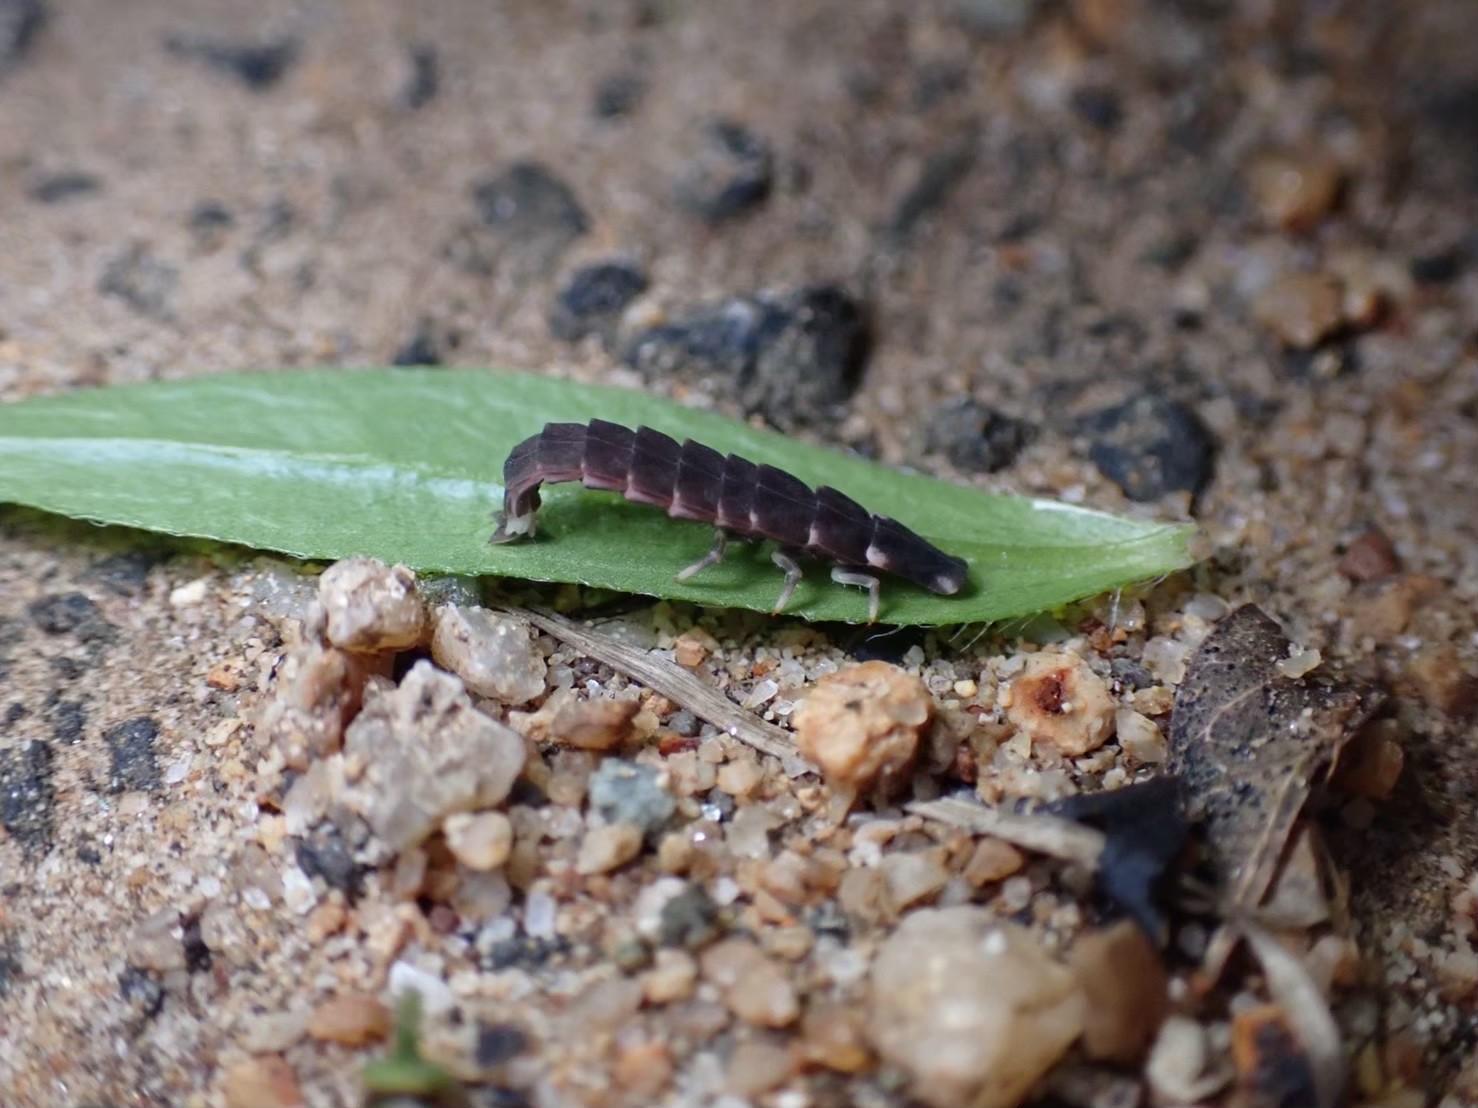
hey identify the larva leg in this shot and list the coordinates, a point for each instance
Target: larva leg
(714, 556)
(863, 581)
(792, 578)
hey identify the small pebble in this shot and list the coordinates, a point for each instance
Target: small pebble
(1295, 190)
(422, 752)
(991, 861)
(671, 978)
(973, 1011)
(1301, 309)
(436, 997)
(598, 725)
(1125, 985)
(862, 725)
(1140, 738)
(757, 1066)
(755, 988)
(730, 174)
(1150, 446)
(1440, 679)
(1057, 699)
(352, 1019)
(371, 607)
(911, 878)
(607, 848)
(626, 792)
(480, 841)
(493, 654)
(267, 1082)
(1371, 556)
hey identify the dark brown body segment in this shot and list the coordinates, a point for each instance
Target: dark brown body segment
(693, 481)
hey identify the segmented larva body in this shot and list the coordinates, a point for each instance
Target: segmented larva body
(739, 497)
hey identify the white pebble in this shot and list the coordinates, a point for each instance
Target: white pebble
(436, 997)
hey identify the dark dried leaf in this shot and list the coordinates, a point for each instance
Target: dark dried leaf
(1250, 745)
(1144, 829)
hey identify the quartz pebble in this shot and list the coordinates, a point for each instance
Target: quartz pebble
(598, 725)
(1125, 985)
(480, 841)
(757, 1066)
(1301, 309)
(910, 878)
(156, 942)
(862, 725)
(1139, 737)
(1057, 699)
(671, 978)
(492, 653)
(754, 987)
(1179, 1069)
(371, 607)
(607, 848)
(972, 1010)
(267, 1082)
(352, 1019)
(421, 752)
(833, 1036)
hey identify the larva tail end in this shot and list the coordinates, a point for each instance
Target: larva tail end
(511, 528)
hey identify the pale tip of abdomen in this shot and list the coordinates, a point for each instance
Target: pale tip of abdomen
(512, 527)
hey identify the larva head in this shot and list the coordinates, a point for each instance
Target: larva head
(899, 551)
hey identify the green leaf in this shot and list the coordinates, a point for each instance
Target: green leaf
(404, 465)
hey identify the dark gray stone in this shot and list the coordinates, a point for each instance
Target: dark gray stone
(257, 65)
(592, 300)
(976, 438)
(792, 359)
(141, 281)
(27, 797)
(135, 759)
(57, 187)
(528, 206)
(1150, 446)
(730, 174)
(20, 23)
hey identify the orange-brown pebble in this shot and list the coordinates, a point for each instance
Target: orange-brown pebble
(1294, 191)
(223, 676)
(992, 860)
(1057, 699)
(862, 725)
(692, 648)
(352, 1019)
(1383, 610)
(594, 724)
(1371, 556)
(1371, 765)
(265, 1082)
(326, 919)
(833, 1036)
(755, 988)
(1438, 676)
(1124, 984)
(644, 1068)
(1301, 309)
